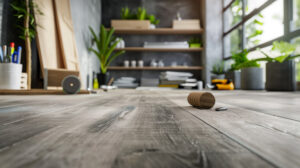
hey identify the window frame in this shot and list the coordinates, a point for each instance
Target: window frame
(289, 34)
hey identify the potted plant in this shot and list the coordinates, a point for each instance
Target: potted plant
(218, 71)
(24, 13)
(195, 43)
(138, 19)
(281, 70)
(234, 72)
(251, 75)
(106, 45)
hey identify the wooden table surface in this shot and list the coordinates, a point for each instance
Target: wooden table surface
(136, 129)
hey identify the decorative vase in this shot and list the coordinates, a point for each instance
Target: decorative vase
(281, 76)
(252, 79)
(103, 79)
(10, 76)
(235, 76)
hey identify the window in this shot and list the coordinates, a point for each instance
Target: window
(266, 25)
(297, 42)
(253, 4)
(233, 15)
(296, 14)
(233, 43)
(251, 24)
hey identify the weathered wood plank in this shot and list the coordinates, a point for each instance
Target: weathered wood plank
(138, 129)
(275, 139)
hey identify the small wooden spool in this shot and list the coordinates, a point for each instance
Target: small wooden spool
(202, 100)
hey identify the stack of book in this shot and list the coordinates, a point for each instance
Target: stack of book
(174, 79)
(126, 82)
(182, 44)
(149, 82)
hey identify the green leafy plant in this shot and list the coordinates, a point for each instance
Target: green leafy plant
(127, 14)
(218, 69)
(24, 12)
(140, 14)
(20, 8)
(153, 19)
(255, 29)
(105, 44)
(241, 61)
(195, 40)
(285, 51)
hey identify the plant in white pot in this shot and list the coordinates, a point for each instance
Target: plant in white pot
(218, 71)
(234, 72)
(105, 46)
(281, 70)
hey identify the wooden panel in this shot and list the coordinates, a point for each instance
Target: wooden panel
(186, 24)
(160, 31)
(194, 68)
(141, 49)
(66, 34)
(130, 24)
(55, 76)
(37, 92)
(47, 38)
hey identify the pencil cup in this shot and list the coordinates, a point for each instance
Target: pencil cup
(10, 76)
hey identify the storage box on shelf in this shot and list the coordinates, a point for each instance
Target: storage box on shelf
(193, 24)
(130, 24)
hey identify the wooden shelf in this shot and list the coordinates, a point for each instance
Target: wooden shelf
(141, 49)
(159, 31)
(37, 92)
(181, 68)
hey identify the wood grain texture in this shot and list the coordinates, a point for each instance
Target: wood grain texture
(179, 68)
(66, 34)
(47, 39)
(142, 49)
(134, 129)
(158, 31)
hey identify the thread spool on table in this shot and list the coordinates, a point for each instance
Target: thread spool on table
(202, 100)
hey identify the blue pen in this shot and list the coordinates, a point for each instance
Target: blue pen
(15, 57)
(19, 54)
(1, 55)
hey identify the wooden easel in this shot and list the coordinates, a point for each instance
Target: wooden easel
(56, 42)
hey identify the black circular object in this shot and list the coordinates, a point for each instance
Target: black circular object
(71, 84)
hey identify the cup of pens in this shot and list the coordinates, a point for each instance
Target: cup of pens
(10, 68)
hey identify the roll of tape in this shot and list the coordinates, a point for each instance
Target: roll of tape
(71, 84)
(203, 100)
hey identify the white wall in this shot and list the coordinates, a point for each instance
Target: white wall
(86, 13)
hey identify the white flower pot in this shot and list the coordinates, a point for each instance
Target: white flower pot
(10, 76)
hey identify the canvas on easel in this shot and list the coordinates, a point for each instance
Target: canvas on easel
(56, 41)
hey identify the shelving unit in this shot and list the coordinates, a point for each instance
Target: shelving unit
(141, 49)
(179, 68)
(158, 31)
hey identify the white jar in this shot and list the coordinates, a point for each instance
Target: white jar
(10, 76)
(133, 63)
(126, 63)
(141, 63)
